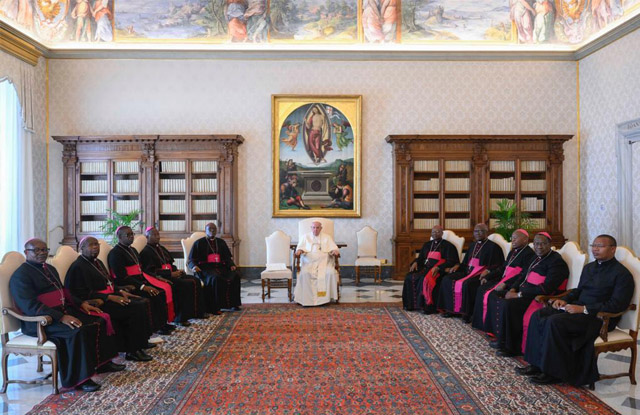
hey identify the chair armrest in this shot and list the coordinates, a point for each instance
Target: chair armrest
(296, 262)
(545, 298)
(337, 263)
(605, 317)
(41, 320)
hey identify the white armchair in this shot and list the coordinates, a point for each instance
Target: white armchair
(139, 242)
(368, 253)
(105, 248)
(278, 256)
(64, 257)
(504, 244)
(457, 241)
(575, 259)
(186, 249)
(22, 344)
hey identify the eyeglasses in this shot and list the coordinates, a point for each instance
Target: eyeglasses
(598, 246)
(38, 250)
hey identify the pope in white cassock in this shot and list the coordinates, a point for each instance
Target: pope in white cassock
(317, 282)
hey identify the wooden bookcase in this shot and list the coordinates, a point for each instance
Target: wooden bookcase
(179, 182)
(455, 181)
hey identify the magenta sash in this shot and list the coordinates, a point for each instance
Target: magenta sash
(167, 267)
(534, 306)
(53, 299)
(430, 279)
(509, 273)
(133, 270)
(167, 289)
(457, 288)
(213, 258)
(108, 290)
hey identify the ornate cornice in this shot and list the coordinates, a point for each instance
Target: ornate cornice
(19, 46)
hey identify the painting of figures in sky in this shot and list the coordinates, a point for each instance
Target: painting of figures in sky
(322, 21)
(456, 20)
(194, 20)
(316, 143)
(380, 20)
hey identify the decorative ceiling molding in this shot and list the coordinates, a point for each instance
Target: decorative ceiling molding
(18, 45)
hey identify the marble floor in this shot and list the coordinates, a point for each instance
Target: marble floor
(618, 393)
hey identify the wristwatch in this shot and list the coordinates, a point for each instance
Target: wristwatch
(519, 294)
(142, 287)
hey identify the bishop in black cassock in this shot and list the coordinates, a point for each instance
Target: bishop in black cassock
(546, 275)
(458, 289)
(89, 280)
(560, 341)
(124, 263)
(211, 261)
(156, 260)
(435, 256)
(493, 286)
(82, 341)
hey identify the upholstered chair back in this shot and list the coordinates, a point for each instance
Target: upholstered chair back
(139, 242)
(10, 263)
(304, 226)
(186, 248)
(575, 259)
(278, 251)
(105, 248)
(64, 257)
(457, 241)
(504, 244)
(631, 319)
(367, 242)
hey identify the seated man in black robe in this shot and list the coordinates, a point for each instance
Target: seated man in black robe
(125, 267)
(458, 289)
(546, 275)
(211, 261)
(435, 256)
(187, 290)
(561, 336)
(85, 344)
(493, 286)
(89, 280)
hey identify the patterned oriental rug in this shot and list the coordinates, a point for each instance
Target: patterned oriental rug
(338, 359)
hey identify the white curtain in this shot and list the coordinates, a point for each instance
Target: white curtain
(16, 181)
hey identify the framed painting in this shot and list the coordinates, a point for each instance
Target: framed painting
(316, 155)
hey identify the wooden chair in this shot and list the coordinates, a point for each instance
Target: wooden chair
(504, 244)
(186, 249)
(22, 344)
(139, 242)
(625, 335)
(368, 253)
(64, 257)
(304, 227)
(278, 252)
(457, 241)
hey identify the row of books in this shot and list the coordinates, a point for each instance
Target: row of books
(493, 203)
(529, 204)
(425, 166)
(127, 206)
(502, 166)
(94, 186)
(173, 206)
(91, 225)
(533, 185)
(127, 186)
(431, 185)
(426, 205)
(538, 223)
(419, 223)
(173, 185)
(93, 167)
(457, 205)
(464, 223)
(204, 185)
(201, 166)
(507, 184)
(204, 206)
(533, 166)
(126, 167)
(93, 207)
(173, 167)
(180, 225)
(457, 184)
(457, 165)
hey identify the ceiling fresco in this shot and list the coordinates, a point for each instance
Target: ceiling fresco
(89, 23)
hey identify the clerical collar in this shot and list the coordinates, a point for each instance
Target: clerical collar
(604, 262)
(36, 264)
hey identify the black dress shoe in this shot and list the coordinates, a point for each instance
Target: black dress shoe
(165, 332)
(467, 319)
(183, 323)
(149, 346)
(169, 327)
(495, 344)
(88, 386)
(138, 356)
(504, 353)
(111, 367)
(530, 370)
(236, 308)
(447, 315)
(544, 379)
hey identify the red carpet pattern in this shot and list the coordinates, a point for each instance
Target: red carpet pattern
(345, 359)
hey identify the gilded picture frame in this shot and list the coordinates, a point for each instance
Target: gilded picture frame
(316, 143)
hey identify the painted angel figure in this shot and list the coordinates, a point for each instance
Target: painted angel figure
(292, 132)
(342, 134)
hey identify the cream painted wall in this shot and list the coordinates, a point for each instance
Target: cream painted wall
(10, 67)
(207, 96)
(609, 95)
